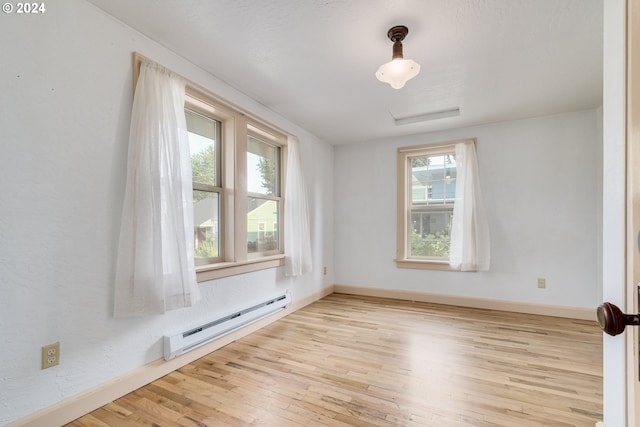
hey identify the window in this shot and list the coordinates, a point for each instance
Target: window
(204, 144)
(263, 192)
(426, 195)
(237, 168)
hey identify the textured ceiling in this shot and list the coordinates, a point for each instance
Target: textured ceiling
(313, 61)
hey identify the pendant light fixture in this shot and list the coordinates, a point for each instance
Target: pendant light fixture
(399, 70)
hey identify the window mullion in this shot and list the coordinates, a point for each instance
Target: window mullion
(241, 197)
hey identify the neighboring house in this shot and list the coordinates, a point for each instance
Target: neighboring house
(262, 224)
(433, 191)
(262, 227)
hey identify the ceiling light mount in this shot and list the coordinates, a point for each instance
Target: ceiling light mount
(396, 35)
(399, 70)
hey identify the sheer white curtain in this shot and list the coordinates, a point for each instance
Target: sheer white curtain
(297, 240)
(155, 268)
(469, 228)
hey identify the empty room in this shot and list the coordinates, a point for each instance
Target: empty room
(319, 212)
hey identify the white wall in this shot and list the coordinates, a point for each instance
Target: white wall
(540, 183)
(66, 98)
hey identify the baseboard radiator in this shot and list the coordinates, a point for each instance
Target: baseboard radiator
(175, 345)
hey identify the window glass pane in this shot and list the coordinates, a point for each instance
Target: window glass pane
(430, 232)
(206, 214)
(262, 225)
(433, 179)
(262, 167)
(433, 192)
(203, 133)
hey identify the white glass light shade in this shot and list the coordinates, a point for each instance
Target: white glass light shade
(397, 72)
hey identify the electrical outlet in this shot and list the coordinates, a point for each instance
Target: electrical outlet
(50, 355)
(542, 283)
(324, 271)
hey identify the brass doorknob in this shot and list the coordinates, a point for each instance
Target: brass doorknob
(612, 320)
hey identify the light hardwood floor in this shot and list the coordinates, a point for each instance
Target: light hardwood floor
(359, 361)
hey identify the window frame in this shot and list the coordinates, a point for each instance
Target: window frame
(404, 203)
(236, 127)
(218, 188)
(265, 138)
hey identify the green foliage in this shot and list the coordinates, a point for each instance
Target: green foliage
(417, 162)
(431, 245)
(268, 173)
(203, 168)
(262, 245)
(207, 249)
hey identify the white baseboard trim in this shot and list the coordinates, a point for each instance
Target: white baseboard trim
(76, 406)
(491, 304)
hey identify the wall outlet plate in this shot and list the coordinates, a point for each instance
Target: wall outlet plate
(50, 355)
(542, 283)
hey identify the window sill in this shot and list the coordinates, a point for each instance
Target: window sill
(226, 269)
(424, 265)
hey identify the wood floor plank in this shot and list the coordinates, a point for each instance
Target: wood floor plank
(359, 361)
